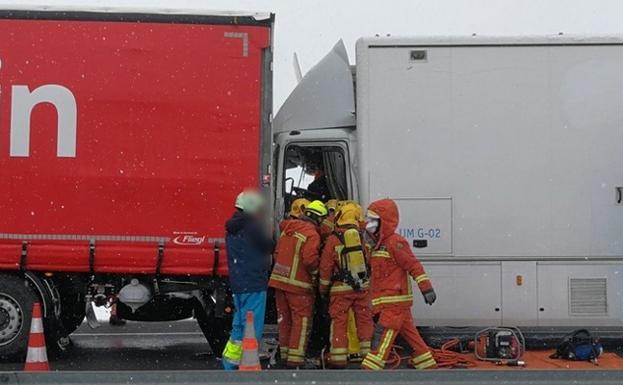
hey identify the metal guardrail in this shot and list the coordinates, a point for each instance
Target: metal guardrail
(318, 377)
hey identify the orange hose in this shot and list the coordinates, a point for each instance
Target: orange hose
(445, 357)
(394, 359)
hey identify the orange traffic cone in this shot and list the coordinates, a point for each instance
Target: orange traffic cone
(250, 360)
(37, 356)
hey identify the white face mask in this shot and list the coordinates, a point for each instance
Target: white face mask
(372, 225)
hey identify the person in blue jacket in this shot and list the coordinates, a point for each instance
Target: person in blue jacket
(249, 249)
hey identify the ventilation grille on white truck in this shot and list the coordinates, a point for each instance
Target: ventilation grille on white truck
(588, 296)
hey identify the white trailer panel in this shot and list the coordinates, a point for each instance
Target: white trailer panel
(507, 151)
(525, 139)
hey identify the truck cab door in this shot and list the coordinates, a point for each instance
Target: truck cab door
(312, 169)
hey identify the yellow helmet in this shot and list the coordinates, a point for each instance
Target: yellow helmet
(316, 207)
(331, 204)
(340, 204)
(298, 207)
(350, 214)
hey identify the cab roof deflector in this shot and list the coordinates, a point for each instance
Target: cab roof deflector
(324, 98)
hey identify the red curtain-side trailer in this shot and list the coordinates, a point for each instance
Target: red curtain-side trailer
(124, 139)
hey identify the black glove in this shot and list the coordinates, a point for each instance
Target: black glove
(430, 296)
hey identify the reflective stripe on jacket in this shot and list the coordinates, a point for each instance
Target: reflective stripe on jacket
(393, 263)
(327, 227)
(296, 257)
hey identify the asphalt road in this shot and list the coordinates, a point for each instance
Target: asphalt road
(146, 346)
(135, 346)
(176, 352)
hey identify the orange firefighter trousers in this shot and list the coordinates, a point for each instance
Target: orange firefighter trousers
(398, 320)
(294, 314)
(338, 310)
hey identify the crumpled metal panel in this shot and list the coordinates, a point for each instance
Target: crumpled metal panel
(323, 99)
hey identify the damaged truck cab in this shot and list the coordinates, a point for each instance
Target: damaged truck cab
(314, 136)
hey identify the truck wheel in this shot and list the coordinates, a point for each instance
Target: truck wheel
(216, 332)
(16, 300)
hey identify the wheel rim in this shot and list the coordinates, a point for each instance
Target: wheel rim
(11, 319)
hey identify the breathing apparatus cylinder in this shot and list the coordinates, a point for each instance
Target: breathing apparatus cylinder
(352, 259)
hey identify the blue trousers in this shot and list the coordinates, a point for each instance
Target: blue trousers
(244, 302)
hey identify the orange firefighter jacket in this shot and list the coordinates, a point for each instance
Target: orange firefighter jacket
(393, 263)
(327, 227)
(330, 265)
(296, 257)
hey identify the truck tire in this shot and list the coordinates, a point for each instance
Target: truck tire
(216, 332)
(16, 300)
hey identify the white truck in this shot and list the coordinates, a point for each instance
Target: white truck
(504, 156)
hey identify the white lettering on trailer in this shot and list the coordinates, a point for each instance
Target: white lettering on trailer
(245, 40)
(24, 101)
(189, 239)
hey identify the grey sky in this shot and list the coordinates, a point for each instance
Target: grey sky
(310, 28)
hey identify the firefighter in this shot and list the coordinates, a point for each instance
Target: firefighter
(328, 224)
(344, 274)
(248, 257)
(319, 337)
(294, 279)
(393, 264)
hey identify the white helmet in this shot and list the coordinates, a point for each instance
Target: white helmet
(250, 201)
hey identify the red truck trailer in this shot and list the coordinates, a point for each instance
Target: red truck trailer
(124, 139)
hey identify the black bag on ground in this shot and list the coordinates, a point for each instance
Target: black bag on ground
(579, 345)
